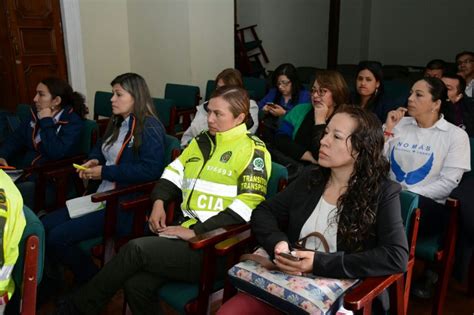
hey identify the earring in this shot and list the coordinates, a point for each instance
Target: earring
(376, 90)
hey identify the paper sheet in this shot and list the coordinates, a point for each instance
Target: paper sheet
(80, 206)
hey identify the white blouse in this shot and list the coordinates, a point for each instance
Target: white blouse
(321, 220)
(111, 152)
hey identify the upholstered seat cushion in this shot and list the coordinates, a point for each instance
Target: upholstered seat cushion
(291, 294)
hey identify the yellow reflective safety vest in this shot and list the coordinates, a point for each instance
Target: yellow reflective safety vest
(12, 224)
(229, 171)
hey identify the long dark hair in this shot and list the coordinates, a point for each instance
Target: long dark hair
(290, 71)
(357, 207)
(143, 107)
(375, 68)
(59, 87)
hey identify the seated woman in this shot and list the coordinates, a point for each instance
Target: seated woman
(132, 152)
(228, 77)
(370, 93)
(286, 93)
(349, 199)
(215, 176)
(52, 133)
(427, 154)
(297, 139)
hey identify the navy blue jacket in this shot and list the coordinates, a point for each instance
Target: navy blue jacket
(58, 140)
(136, 167)
(133, 167)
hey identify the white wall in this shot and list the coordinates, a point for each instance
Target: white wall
(159, 42)
(104, 27)
(176, 41)
(414, 32)
(409, 32)
(211, 38)
(292, 31)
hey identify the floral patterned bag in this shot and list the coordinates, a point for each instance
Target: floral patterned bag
(259, 277)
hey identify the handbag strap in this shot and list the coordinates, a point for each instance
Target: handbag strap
(302, 242)
(265, 262)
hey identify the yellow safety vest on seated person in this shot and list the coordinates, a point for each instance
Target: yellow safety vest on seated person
(12, 224)
(229, 171)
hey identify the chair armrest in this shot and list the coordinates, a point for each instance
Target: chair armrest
(139, 203)
(236, 241)
(215, 236)
(369, 289)
(52, 165)
(59, 176)
(111, 194)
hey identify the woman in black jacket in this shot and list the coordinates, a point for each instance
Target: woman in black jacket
(348, 198)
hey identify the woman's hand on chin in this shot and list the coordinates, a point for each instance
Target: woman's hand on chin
(321, 111)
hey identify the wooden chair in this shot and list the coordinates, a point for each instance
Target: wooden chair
(28, 269)
(166, 110)
(105, 247)
(88, 139)
(439, 250)
(186, 98)
(359, 300)
(257, 87)
(247, 59)
(102, 109)
(189, 298)
(210, 87)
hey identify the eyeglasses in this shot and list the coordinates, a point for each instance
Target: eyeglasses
(321, 91)
(284, 83)
(461, 62)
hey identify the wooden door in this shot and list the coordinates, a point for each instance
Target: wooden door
(36, 45)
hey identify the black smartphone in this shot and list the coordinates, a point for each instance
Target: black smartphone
(289, 256)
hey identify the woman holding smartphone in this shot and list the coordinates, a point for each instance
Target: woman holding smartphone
(132, 152)
(297, 139)
(349, 199)
(287, 92)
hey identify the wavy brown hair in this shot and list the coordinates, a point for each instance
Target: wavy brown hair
(357, 207)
